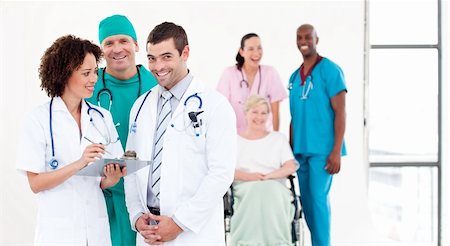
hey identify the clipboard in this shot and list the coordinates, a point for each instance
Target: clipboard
(95, 169)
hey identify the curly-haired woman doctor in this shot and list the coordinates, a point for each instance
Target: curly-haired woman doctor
(61, 137)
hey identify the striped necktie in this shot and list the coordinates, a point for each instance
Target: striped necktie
(163, 121)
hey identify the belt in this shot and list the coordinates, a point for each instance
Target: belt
(154, 210)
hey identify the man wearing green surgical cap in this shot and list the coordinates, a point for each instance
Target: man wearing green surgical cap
(119, 84)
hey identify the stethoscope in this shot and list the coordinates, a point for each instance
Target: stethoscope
(108, 92)
(306, 85)
(196, 123)
(246, 82)
(193, 114)
(53, 163)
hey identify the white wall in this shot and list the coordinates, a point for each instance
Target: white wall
(214, 30)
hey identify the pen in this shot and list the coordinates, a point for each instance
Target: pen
(97, 143)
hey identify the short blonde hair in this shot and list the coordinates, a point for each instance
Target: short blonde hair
(254, 101)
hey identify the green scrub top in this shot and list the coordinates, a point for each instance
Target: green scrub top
(124, 93)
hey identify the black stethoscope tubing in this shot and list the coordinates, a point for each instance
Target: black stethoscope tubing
(109, 92)
(53, 163)
(246, 82)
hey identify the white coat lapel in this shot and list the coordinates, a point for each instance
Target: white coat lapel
(146, 128)
(85, 119)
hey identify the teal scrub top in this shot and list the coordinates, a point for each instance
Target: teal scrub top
(313, 117)
(124, 93)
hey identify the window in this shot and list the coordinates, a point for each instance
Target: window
(402, 215)
(403, 119)
(403, 105)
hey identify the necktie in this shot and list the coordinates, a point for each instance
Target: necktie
(163, 121)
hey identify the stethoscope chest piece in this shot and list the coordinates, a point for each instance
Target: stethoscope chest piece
(53, 163)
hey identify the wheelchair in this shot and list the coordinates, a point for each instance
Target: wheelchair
(297, 224)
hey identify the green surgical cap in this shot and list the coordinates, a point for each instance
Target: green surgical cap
(115, 25)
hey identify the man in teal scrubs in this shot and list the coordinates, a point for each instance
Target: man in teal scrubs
(317, 105)
(119, 84)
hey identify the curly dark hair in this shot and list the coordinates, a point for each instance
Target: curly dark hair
(61, 59)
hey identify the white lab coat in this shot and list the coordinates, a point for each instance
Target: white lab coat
(74, 212)
(196, 171)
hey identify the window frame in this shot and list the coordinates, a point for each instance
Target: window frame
(438, 164)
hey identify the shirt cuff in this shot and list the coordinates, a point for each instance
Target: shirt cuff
(184, 228)
(136, 217)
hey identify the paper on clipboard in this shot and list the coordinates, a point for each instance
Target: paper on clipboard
(96, 169)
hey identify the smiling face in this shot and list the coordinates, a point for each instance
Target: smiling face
(257, 116)
(166, 63)
(119, 51)
(307, 40)
(82, 81)
(252, 51)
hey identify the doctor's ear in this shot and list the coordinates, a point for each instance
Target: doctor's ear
(185, 53)
(136, 46)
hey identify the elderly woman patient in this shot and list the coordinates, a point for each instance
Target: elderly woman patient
(262, 203)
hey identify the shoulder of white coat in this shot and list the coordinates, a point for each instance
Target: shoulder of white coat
(214, 101)
(40, 112)
(209, 96)
(36, 118)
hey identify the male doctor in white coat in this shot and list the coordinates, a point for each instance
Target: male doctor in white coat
(189, 133)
